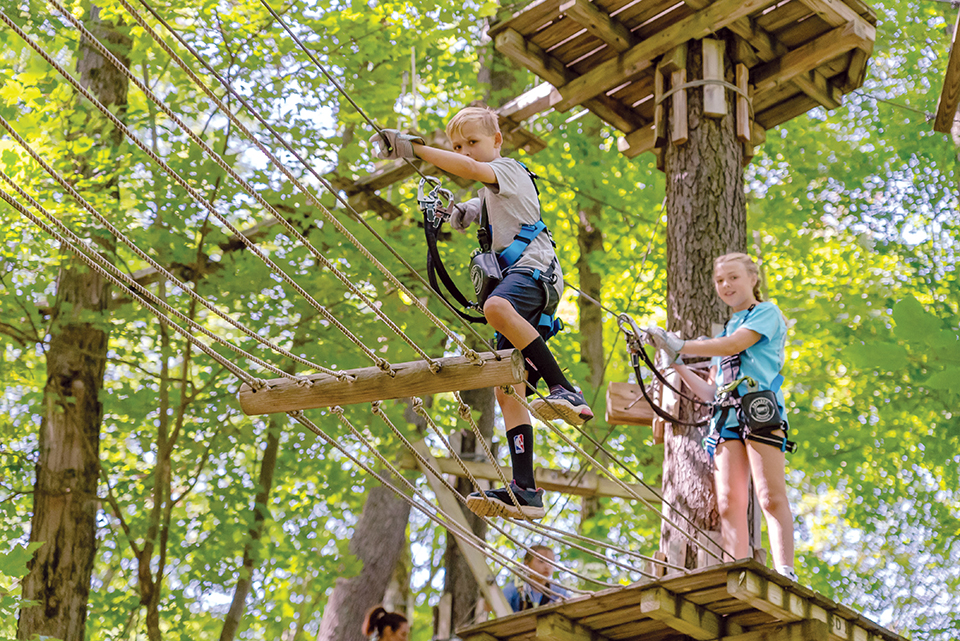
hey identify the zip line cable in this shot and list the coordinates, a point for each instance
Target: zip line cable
(353, 102)
(176, 120)
(278, 137)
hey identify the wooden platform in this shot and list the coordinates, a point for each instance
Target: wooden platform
(603, 54)
(742, 601)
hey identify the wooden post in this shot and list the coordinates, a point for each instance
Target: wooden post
(743, 105)
(714, 96)
(457, 373)
(478, 565)
(678, 116)
(620, 397)
(659, 124)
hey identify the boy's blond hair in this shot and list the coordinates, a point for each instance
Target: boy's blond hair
(749, 265)
(484, 116)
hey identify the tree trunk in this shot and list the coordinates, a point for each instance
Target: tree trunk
(65, 495)
(260, 511)
(458, 578)
(590, 240)
(376, 542)
(706, 216)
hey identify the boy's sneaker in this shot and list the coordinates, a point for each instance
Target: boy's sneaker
(562, 403)
(498, 503)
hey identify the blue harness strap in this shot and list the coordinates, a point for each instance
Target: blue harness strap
(521, 241)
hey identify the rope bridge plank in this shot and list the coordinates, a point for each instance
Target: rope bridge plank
(456, 373)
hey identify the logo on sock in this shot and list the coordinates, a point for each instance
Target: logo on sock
(518, 444)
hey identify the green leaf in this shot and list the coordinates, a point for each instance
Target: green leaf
(14, 563)
(887, 357)
(914, 323)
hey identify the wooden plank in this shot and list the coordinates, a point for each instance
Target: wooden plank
(950, 95)
(767, 596)
(600, 24)
(678, 108)
(556, 627)
(856, 71)
(820, 89)
(813, 54)
(743, 104)
(714, 96)
(783, 16)
(486, 580)
(674, 60)
(512, 44)
(833, 12)
(680, 614)
(800, 631)
(609, 74)
(660, 140)
(553, 480)
(637, 142)
(785, 111)
(457, 373)
(535, 13)
(537, 100)
(619, 397)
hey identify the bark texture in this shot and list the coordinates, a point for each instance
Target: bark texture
(590, 241)
(65, 494)
(706, 215)
(377, 541)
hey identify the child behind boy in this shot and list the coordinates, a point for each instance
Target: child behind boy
(514, 307)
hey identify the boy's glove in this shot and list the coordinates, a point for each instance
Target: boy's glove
(400, 145)
(462, 215)
(668, 343)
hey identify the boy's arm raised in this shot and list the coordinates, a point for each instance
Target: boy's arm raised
(455, 164)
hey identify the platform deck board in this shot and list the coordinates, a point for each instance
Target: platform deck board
(778, 29)
(741, 597)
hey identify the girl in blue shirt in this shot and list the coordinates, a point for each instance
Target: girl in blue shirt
(751, 344)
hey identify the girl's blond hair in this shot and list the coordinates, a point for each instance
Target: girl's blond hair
(748, 264)
(485, 116)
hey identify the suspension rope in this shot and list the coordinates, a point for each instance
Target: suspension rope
(393, 470)
(81, 250)
(211, 153)
(143, 255)
(566, 439)
(382, 363)
(470, 353)
(377, 408)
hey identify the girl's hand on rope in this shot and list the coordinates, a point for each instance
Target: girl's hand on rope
(462, 215)
(667, 343)
(390, 144)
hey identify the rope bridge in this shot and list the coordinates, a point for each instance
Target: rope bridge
(329, 387)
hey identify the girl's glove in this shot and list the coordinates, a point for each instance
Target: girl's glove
(462, 215)
(397, 145)
(665, 342)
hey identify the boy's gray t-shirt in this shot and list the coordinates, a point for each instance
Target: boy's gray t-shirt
(513, 202)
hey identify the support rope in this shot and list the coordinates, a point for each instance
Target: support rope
(383, 364)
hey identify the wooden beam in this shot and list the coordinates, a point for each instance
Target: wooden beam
(534, 101)
(743, 103)
(457, 373)
(556, 627)
(599, 23)
(660, 136)
(714, 96)
(587, 483)
(834, 43)
(637, 142)
(683, 616)
(820, 89)
(950, 95)
(679, 118)
(674, 60)
(834, 12)
(611, 73)
(766, 595)
(809, 630)
(486, 580)
(510, 43)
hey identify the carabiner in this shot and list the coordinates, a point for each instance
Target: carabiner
(431, 203)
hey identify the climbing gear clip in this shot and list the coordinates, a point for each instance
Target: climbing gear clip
(432, 202)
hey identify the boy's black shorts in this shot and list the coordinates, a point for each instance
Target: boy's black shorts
(528, 299)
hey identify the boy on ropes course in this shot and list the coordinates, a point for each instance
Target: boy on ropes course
(521, 303)
(748, 432)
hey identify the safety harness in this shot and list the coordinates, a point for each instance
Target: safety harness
(757, 411)
(487, 268)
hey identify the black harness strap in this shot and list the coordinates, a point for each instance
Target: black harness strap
(436, 269)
